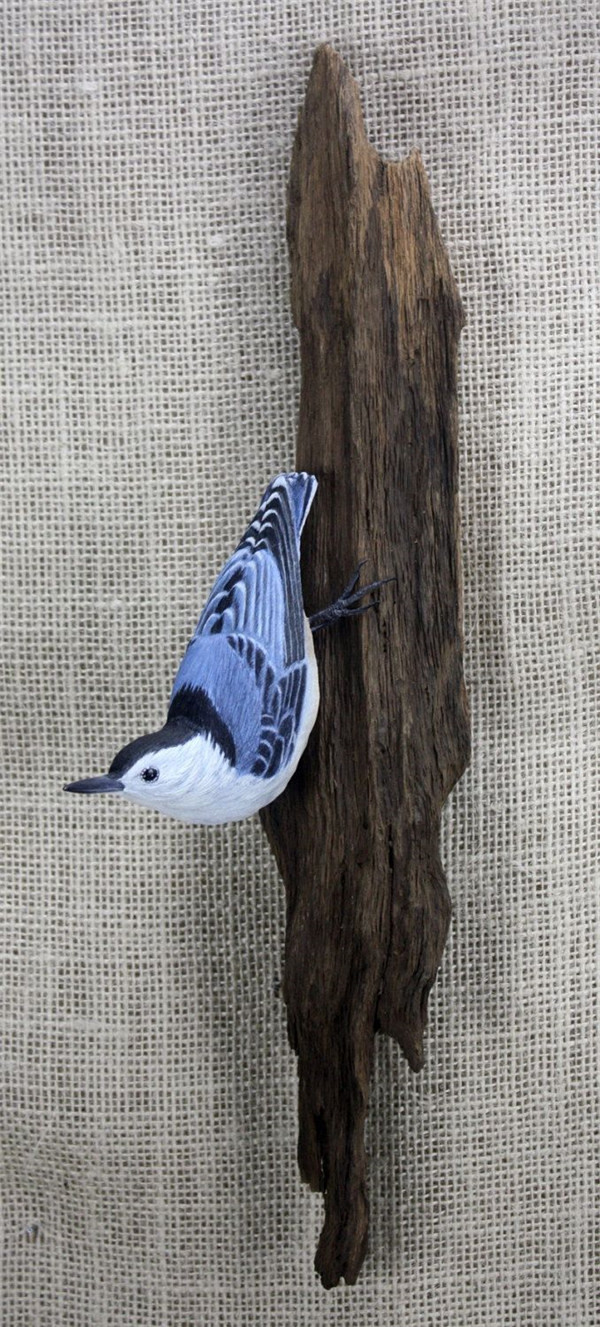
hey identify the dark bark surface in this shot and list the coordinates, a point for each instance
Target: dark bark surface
(356, 834)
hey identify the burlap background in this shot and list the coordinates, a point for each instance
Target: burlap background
(150, 389)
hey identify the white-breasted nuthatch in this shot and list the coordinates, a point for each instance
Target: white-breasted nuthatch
(246, 695)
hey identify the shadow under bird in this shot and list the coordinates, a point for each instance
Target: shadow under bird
(246, 694)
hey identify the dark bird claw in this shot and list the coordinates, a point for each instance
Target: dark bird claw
(348, 604)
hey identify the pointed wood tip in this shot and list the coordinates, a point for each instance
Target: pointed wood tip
(332, 89)
(330, 186)
(326, 60)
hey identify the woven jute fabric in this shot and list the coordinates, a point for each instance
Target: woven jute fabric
(150, 389)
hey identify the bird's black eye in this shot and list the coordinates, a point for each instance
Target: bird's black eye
(149, 775)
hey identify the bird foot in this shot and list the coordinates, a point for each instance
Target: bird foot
(348, 604)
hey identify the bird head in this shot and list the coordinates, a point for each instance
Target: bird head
(175, 770)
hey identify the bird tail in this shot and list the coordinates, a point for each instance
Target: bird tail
(280, 518)
(301, 488)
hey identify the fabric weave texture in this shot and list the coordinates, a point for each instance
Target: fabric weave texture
(151, 377)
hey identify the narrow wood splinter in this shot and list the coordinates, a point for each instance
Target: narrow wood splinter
(356, 833)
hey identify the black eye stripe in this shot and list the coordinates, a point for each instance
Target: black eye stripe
(150, 774)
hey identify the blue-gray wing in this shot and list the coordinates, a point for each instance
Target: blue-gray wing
(281, 699)
(246, 661)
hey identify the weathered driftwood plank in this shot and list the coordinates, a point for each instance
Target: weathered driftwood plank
(356, 834)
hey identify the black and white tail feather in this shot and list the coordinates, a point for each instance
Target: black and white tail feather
(263, 574)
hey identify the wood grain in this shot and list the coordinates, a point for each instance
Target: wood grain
(356, 834)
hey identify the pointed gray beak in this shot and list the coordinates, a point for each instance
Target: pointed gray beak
(102, 784)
